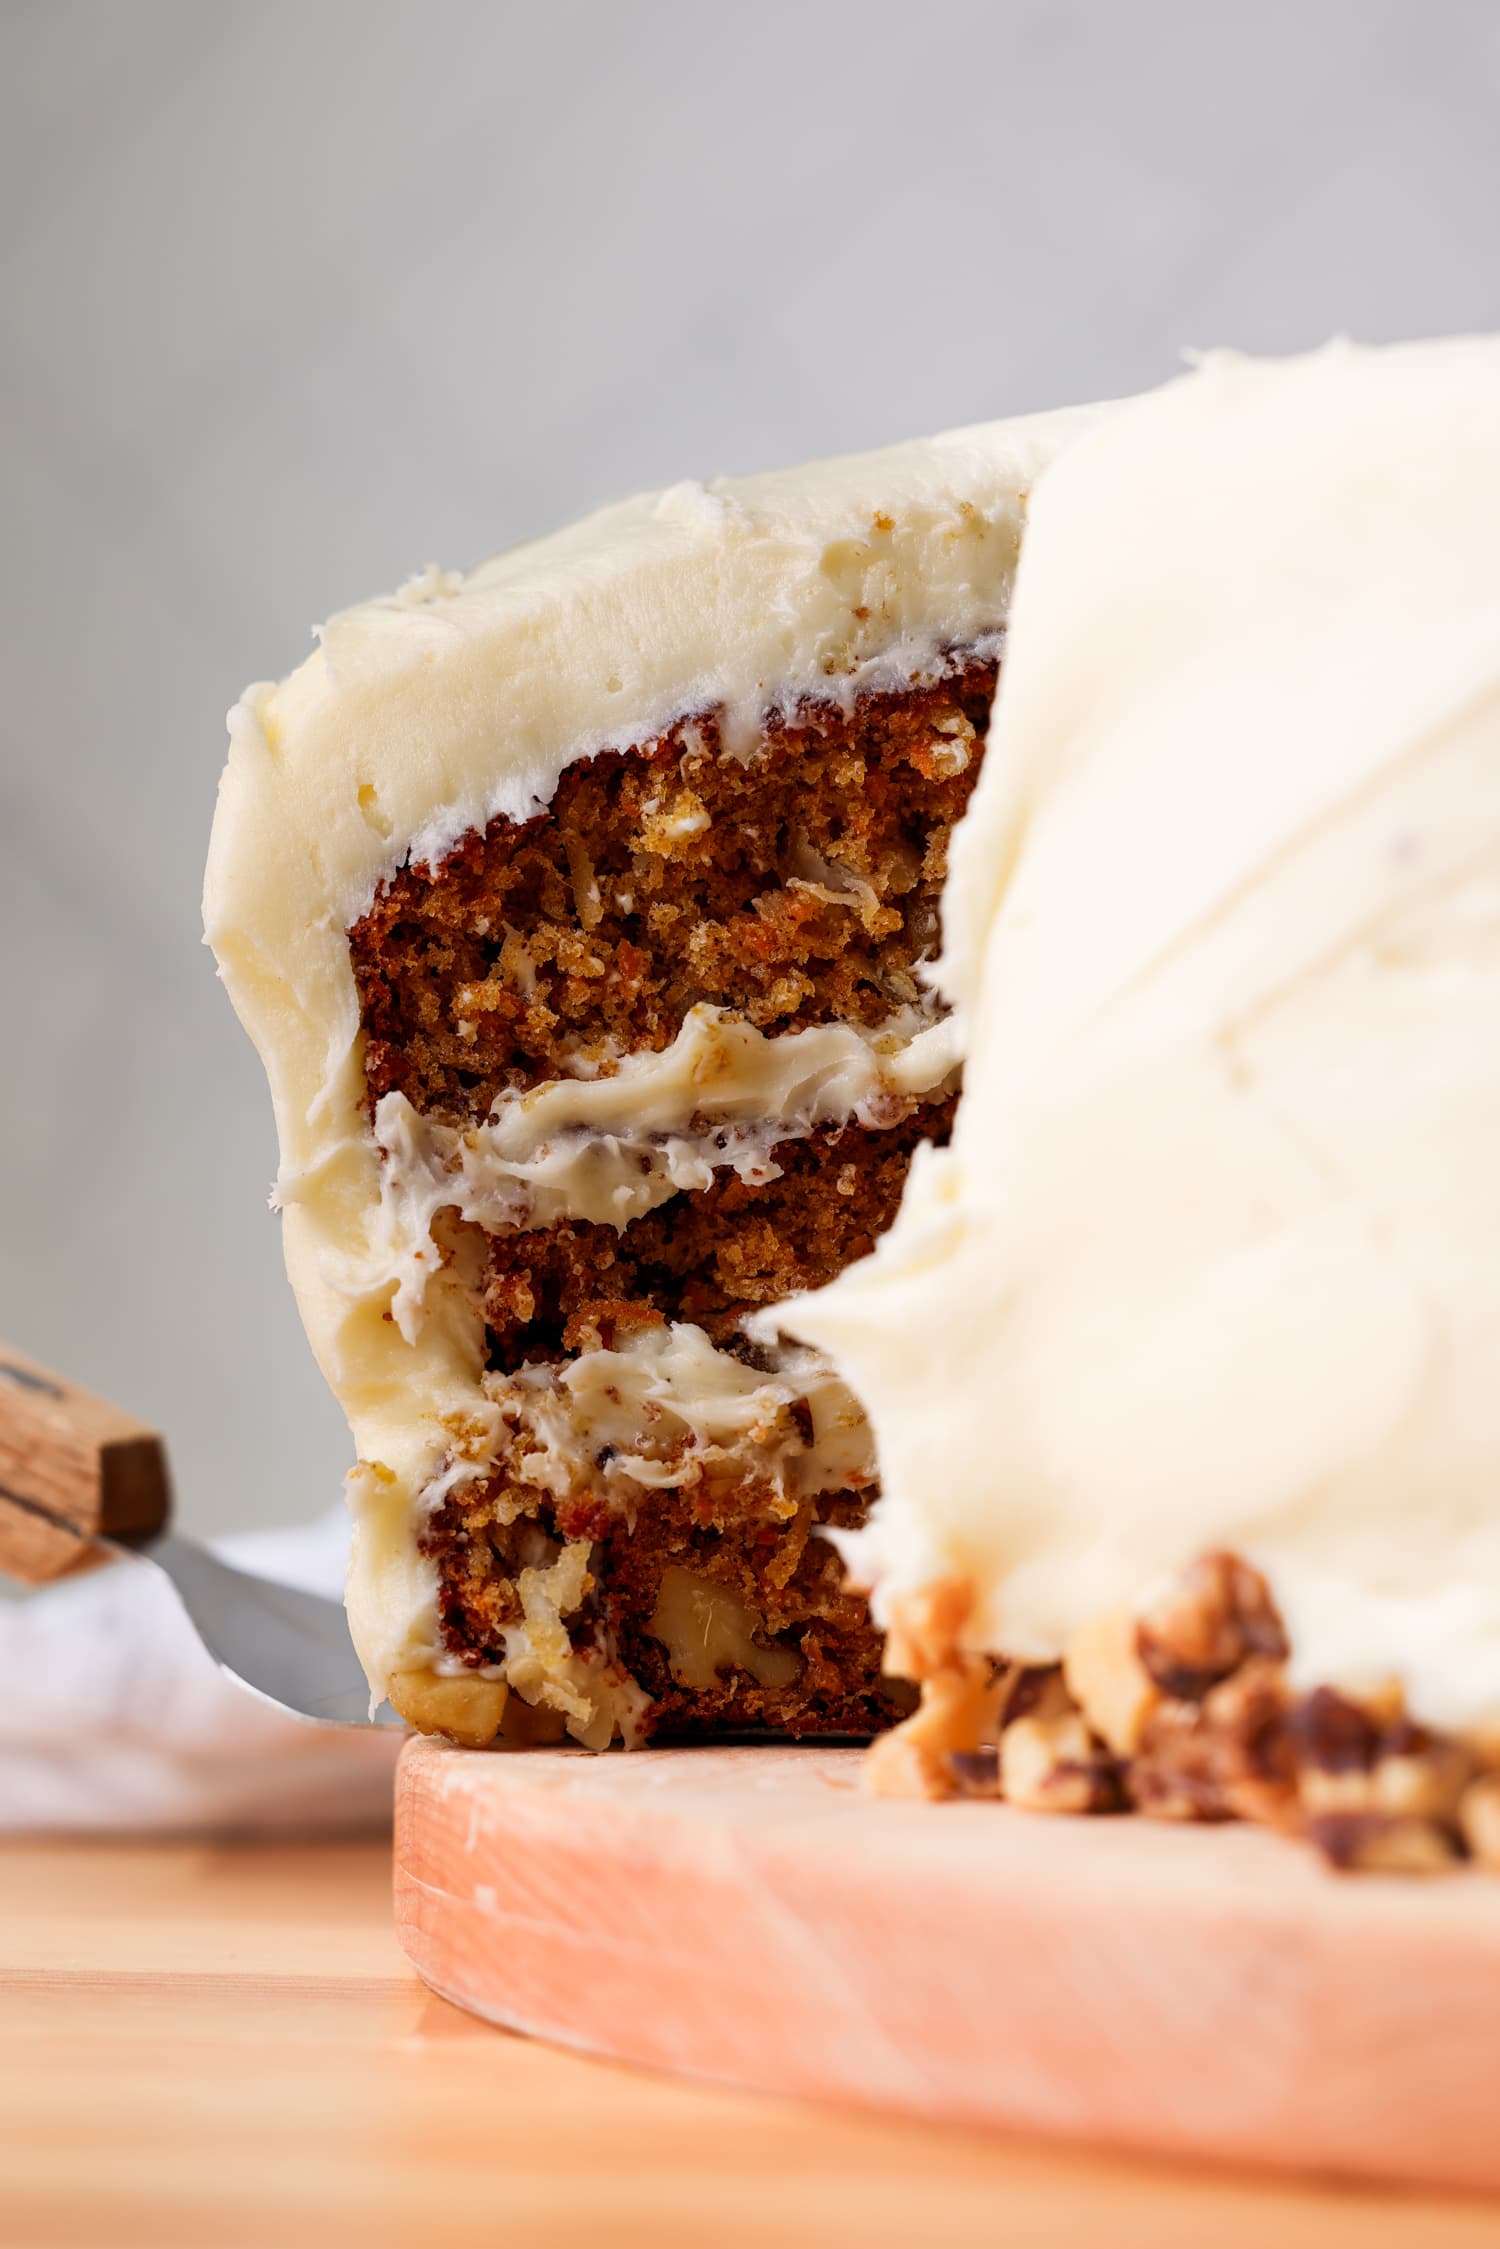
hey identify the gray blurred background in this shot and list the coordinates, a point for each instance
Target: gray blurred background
(297, 295)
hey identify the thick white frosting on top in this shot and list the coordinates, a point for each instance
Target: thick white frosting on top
(465, 698)
(1214, 1256)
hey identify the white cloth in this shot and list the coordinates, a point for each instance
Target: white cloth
(113, 1718)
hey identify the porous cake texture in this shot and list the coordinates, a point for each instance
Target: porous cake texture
(580, 909)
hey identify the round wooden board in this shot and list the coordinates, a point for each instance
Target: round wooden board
(747, 1914)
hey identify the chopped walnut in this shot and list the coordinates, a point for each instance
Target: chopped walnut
(1187, 1714)
(961, 1696)
(956, 1717)
(1381, 1843)
(530, 1725)
(1221, 1758)
(923, 1639)
(1110, 1683)
(1176, 1775)
(1050, 1762)
(1248, 1712)
(1215, 1616)
(1026, 1689)
(467, 1708)
(975, 1772)
(1369, 1760)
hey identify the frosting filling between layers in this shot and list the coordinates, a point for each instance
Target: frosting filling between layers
(669, 1410)
(609, 1149)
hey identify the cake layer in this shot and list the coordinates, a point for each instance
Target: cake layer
(796, 883)
(743, 1243)
(647, 1520)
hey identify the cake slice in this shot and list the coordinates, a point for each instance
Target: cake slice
(579, 909)
(1183, 1358)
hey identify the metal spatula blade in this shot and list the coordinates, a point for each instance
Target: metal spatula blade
(79, 1478)
(289, 1647)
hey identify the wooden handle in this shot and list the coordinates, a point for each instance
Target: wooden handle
(72, 1469)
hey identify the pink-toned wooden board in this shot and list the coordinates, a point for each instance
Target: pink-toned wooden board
(748, 1915)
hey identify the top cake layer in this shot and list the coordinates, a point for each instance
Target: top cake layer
(461, 702)
(1213, 1260)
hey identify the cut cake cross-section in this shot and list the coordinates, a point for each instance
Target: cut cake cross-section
(579, 909)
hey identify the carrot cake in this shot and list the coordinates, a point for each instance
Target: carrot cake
(1183, 1355)
(579, 908)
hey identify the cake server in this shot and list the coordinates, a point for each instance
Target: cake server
(81, 1482)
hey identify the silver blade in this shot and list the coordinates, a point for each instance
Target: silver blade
(289, 1647)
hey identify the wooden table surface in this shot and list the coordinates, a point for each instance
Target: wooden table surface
(223, 2045)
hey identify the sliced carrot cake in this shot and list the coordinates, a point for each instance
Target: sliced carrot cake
(579, 908)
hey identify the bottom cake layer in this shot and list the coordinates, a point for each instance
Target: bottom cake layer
(644, 1549)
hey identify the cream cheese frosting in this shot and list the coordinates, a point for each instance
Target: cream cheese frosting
(1213, 1258)
(463, 699)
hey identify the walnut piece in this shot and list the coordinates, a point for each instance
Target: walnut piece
(1214, 1617)
(465, 1707)
(1379, 1843)
(1053, 1765)
(1186, 1714)
(955, 1718)
(1222, 1758)
(959, 1710)
(974, 1772)
(1110, 1683)
(926, 1628)
(1050, 1762)
(531, 1725)
(1376, 1793)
